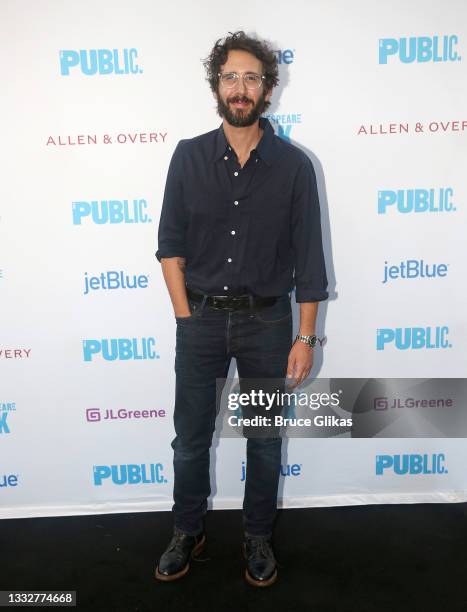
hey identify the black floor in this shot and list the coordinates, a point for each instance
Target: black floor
(353, 559)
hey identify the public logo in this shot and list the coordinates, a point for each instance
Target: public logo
(114, 280)
(411, 464)
(419, 49)
(6, 408)
(411, 269)
(290, 469)
(99, 61)
(407, 338)
(119, 349)
(129, 474)
(434, 200)
(103, 212)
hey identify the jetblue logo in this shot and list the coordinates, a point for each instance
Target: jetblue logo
(114, 280)
(285, 56)
(283, 124)
(9, 480)
(110, 211)
(294, 469)
(416, 200)
(413, 269)
(411, 464)
(131, 473)
(120, 349)
(419, 49)
(5, 409)
(405, 338)
(99, 61)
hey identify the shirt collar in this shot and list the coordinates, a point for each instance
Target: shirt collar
(264, 148)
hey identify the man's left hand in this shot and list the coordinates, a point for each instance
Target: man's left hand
(300, 362)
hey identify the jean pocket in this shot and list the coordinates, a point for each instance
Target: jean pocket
(279, 312)
(194, 307)
(182, 319)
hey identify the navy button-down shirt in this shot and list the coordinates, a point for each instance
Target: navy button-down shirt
(254, 229)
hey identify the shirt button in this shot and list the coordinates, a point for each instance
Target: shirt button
(225, 157)
(229, 259)
(235, 173)
(236, 202)
(225, 287)
(233, 232)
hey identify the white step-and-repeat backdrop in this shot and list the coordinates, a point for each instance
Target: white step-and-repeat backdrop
(95, 98)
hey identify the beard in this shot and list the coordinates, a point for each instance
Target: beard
(241, 117)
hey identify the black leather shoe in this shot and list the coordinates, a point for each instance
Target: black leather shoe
(260, 561)
(175, 561)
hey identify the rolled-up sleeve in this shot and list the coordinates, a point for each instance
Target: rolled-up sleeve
(307, 243)
(173, 220)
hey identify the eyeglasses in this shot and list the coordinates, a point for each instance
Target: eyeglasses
(251, 79)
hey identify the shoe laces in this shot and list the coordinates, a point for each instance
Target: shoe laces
(176, 540)
(260, 545)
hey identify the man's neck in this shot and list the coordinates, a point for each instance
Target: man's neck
(243, 140)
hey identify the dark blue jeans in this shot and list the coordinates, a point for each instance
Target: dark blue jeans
(260, 340)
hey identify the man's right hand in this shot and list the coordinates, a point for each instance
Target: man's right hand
(173, 269)
(182, 316)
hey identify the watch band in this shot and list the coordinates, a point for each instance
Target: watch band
(308, 340)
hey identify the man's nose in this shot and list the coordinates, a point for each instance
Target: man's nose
(241, 88)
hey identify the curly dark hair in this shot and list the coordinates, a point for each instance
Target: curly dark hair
(240, 41)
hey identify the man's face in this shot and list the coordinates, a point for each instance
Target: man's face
(241, 107)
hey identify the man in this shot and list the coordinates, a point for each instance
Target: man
(240, 226)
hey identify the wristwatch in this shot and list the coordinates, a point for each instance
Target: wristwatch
(309, 340)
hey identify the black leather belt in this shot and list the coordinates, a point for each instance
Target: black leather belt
(233, 302)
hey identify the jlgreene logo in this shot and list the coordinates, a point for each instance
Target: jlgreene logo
(403, 465)
(96, 414)
(385, 403)
(413, 269)
(5, 409)
(405, 338)
(294, 469)
(120, 349)
(99, 61)
(420, 49)
(110, 211)
(129, 474)
(114, 280)
(416, 201)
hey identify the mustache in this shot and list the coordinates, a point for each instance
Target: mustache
(234, 99)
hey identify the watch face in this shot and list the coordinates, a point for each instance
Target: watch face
(310, 340)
